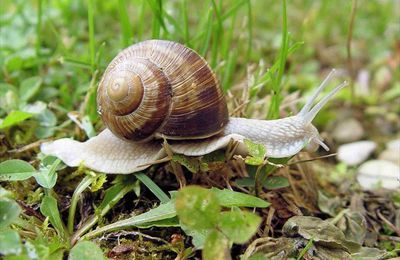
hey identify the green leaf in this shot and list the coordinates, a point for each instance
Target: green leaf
(16, 170)
(254, 149)
(8, 97)
(98, 182)
(246, 182)
(162, 212)
(47, 176)
(216, 247)
(48, 161)
(9, 212)
(47, 122)
(253, 161)
(256, 153)
(156, 215)
(113, 195)
(216, 156)
(197, 208)
(86, 250)
(229, 198)
(46, 247)
(192, 164)
(13, 63)
(168, 222)
(276, 182)
(14, 118)
(29, 87)
(47, 118)
(49, 209)
(10, 243)
(239, 226)
(198, 236)
(5, 87)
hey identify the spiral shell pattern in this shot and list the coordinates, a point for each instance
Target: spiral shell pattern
(161, 88)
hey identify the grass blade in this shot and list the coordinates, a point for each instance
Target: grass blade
(158, 21)
(250, 30)
(91, 33)
(153, 187)
(111, 197)
(74, 200)
(273, 111)
(184, 12)
(127, 34)
(49, 208)
(162, 212)
(217, 31)
(39, 29)
(208, 33)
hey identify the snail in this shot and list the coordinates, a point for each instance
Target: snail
(160, 89)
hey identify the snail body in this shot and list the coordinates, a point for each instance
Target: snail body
(173, 85)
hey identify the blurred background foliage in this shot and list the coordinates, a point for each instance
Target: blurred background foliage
(65, 42)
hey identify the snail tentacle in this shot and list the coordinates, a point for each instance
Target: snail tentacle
(306, 108)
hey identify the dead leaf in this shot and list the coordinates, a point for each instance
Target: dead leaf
(321, 231)
(353, 226)
(368, 253)
(329, 205)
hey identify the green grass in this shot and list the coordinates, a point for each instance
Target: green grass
(127, 33)
(53, 53)
(92, 42)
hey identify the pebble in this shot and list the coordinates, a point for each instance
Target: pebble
(391, 155)
(392, 152)
(379, 173)
(363, 86)
(394, 144)
(356, 152)
(348, 130)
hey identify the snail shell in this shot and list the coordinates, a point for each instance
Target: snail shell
(161, 88)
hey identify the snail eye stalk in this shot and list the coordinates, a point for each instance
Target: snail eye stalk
(308, 112)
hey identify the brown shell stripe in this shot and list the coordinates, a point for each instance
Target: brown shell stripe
(199, 108)
(154, 108)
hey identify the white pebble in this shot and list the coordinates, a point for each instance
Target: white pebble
(392, 155)
(355, 153)
(379, 173)
(348, 130)
(394, 145)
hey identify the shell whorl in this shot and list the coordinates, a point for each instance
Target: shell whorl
(161, 88)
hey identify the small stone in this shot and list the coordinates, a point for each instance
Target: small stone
(379, 173)
(392, 152)
(348, 130)
(391, 155)
(355, 153)
(362, 86)
(394, 144)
